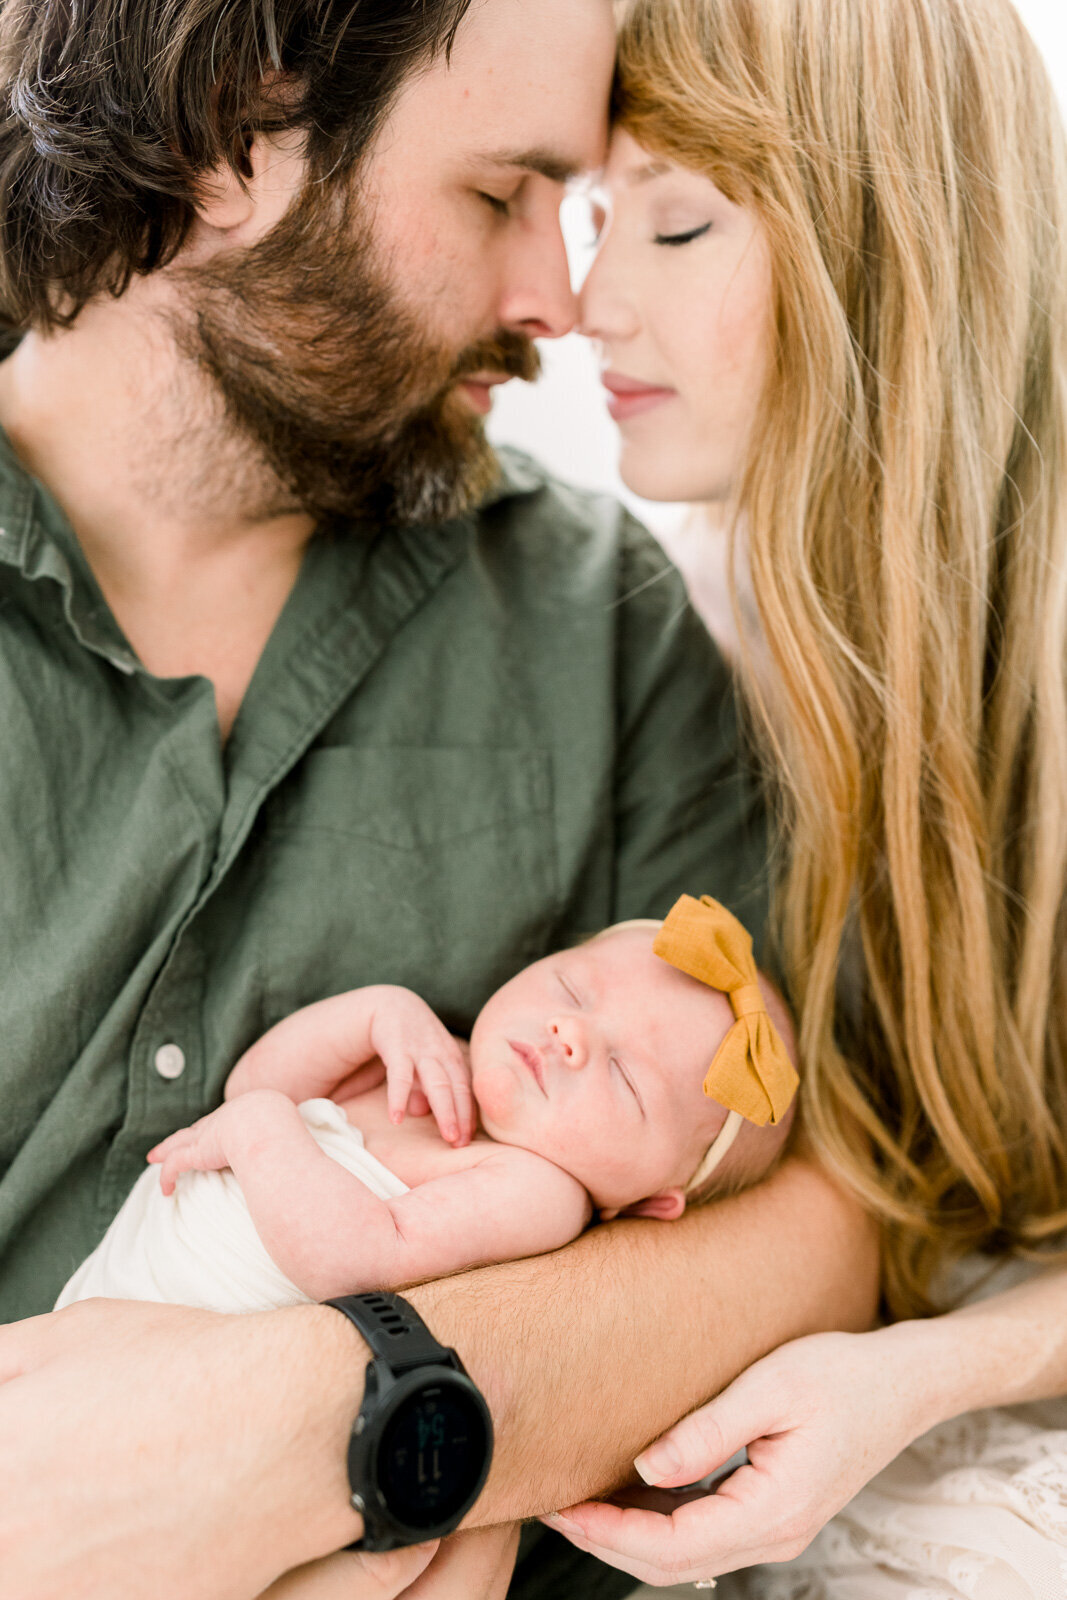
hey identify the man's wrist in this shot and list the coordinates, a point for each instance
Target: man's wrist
(335, 1357)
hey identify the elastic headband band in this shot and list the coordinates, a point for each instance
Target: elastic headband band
(717, 1150)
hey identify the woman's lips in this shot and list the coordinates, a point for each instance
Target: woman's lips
(531, 1059)
(628, 397)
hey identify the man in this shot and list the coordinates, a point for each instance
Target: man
(298, 694)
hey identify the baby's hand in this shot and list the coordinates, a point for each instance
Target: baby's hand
(421, 1055)
(207, 1145)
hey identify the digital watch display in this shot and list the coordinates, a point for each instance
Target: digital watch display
(420, 1449)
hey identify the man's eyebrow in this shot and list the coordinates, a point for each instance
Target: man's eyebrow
(546, 163)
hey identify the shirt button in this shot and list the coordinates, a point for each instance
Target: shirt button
(170, 1061)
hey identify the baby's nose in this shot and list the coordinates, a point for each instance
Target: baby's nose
(568, 1035)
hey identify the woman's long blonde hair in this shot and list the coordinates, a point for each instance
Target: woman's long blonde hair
(905, 519)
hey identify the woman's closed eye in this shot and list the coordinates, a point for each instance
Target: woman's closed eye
(683, 238)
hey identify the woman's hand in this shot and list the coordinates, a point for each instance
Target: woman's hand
(820, 1417)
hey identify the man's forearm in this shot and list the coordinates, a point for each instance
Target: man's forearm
(587, 1354)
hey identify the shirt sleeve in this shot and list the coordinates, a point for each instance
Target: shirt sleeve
(690, 808)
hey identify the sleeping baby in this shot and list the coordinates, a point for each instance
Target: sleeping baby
(634, 1074)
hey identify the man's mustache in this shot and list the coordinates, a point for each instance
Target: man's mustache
(511, 354)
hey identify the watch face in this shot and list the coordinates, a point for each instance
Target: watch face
(432, 1456)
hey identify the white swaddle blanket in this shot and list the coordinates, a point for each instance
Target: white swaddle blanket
(198, 1246)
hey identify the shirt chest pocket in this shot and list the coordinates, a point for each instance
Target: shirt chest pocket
(430, 867)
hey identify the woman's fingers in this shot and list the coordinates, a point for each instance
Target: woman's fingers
(642, 1543)
(708, 1437)
(718, 1533)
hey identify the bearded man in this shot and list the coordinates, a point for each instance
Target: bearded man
(303, 689)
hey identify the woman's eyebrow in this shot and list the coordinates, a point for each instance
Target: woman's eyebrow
(645, 174)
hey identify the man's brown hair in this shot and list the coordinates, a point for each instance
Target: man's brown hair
(112, 111)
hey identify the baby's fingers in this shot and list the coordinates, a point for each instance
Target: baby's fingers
(177, 1161)
(450, 1099)
(174, 1141)
(399, 1080)
(418, 1105)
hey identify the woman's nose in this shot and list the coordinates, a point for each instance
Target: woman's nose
(569, 1036)
(606, 311)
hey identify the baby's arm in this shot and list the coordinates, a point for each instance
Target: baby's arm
(310, 1054)
(330, 1235)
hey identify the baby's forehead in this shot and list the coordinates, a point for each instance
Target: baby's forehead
(623, 954)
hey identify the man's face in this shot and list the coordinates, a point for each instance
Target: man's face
(356, 339)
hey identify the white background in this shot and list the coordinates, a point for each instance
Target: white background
(562, 419)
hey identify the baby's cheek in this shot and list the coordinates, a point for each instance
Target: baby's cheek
(497, 1094)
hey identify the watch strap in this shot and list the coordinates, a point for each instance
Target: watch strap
(394, 1331)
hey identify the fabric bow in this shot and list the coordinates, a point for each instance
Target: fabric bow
(751, 1072)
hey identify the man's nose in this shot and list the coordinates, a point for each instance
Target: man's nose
(570, 1037)
(538, 300)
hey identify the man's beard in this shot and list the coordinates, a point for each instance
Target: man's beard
(348, 401)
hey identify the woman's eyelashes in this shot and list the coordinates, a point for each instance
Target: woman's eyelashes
(683, 238)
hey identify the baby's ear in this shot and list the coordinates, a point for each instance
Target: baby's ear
(664, 1207)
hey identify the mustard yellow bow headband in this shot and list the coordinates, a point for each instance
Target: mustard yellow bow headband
(751, 1073)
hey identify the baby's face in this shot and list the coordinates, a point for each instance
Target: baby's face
(595, 1058)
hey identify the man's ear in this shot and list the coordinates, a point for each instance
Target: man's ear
(664, 1207)
(225, 199)
(257, 193)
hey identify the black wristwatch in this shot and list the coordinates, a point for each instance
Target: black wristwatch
(421, 1446)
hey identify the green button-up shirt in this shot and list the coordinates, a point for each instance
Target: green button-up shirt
(464, 746)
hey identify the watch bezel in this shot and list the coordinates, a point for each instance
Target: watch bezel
(382, 1528)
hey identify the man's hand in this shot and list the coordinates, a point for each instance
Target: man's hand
(156, 1450)
(350, 1575)
(470, 1566)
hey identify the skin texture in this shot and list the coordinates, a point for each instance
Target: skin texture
(692, 317)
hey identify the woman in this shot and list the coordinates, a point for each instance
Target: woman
(832, 299)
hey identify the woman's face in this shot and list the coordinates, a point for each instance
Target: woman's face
(679, 301)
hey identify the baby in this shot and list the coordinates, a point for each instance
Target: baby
(586, 1072)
